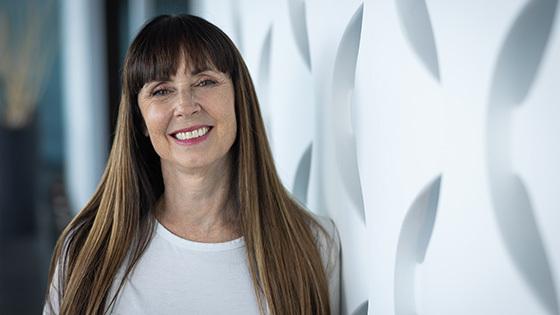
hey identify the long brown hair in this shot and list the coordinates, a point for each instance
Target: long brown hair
(115, 227)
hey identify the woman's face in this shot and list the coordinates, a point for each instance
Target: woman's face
(190, 119)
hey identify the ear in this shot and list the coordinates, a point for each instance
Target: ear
(145, 130)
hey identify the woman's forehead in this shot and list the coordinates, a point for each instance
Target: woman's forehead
(156, 65)
(181, 66)
(186, 69)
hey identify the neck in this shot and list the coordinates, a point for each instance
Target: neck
(195, 204)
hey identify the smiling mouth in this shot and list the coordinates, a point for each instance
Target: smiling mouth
(193, 134)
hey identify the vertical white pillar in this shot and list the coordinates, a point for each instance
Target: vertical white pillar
(85, 97)
(138, 12)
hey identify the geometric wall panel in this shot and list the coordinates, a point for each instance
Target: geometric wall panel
(429, 131)
(338, 168)
(517, 64)
(417, 28)
(413, 243)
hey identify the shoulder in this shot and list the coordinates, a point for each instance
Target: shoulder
(56, 276)
(328, 241)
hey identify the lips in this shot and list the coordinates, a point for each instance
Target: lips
(191, 135)
(190, 129)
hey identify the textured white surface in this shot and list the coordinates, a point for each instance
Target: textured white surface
(429, 76)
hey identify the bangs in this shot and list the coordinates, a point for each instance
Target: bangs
(159, 48)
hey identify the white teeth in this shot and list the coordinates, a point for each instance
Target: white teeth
(192, 134)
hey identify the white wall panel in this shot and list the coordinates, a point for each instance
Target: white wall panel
(428, 130)
(536, 152)
(400, 143)
(290, 105)
(334, 39)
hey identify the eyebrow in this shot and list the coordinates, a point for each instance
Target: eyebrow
(194, 72)
(201, 70)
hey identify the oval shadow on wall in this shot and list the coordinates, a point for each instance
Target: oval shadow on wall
(299, 29)
(414, 238)
(362, 309)
(264, 81)
(343, 88)
(516, 68)
(301, 181)
(417, 27)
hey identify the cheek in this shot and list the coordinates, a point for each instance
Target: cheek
(156, 124)
(222, 108)
(233, 130)
(155, 120)
(228, 126)
(231, 122)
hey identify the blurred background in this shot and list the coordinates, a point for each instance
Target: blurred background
(60, 64)
(428, 130)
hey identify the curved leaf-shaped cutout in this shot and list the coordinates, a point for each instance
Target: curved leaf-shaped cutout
(264, 78)
(417, 26)
(516, 68)
(515, 213)
(301, 181)
(343, 87)
(414, 239)
(362, 309)
(237, 28)
(519, 229)
(298, 21)
(264, 64)
(522, 52)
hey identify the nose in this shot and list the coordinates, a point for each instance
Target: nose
(187, 105)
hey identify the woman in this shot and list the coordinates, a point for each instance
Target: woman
(190, 216)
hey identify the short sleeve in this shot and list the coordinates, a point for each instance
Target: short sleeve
(54, 293)
(52, 303)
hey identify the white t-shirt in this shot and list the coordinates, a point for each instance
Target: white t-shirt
(179, 276)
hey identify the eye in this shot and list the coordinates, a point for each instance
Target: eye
(206, 82)
(161, 92)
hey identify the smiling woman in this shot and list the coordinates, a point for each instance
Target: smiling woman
(190, 118)
(190, 215)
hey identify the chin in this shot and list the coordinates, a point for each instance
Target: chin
(201, 162)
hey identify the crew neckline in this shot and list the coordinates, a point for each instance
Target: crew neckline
(199, 246)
